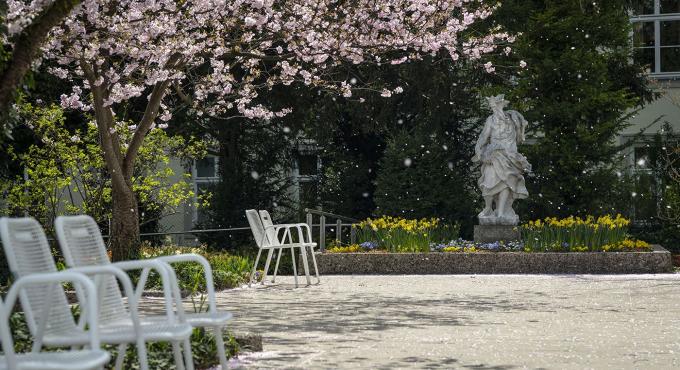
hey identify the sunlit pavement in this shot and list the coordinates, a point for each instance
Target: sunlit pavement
(477, 322)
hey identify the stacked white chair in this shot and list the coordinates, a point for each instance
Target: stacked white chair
(48, 313)
(267, 238)
(92, 358)
(304, 237)
(83, 246)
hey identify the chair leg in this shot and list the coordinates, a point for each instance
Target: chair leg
(266, 265)
(142, 355)
(292, 254)
(188, 356)
(276, 268)
(303, 251)
(316, 268)
(177, 353)
(120, 357)
(252, 274)
(220, 347)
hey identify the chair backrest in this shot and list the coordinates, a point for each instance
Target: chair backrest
(257, 228)
(28, 252)
(267, 223)
(82, 244)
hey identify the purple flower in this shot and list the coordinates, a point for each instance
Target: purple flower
(491, 246)
(369, 245)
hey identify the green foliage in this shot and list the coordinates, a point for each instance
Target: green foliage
(433, 122)
(229, 271)
(159, 353)
(661, 197)
(420, 177)
(65, 173)
(254, 159)
(577, 92)
(349, 162)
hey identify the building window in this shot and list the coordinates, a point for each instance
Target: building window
(656, 36)
(308, 164)
(647, 184)
(206, 168)
(205, 174)
(306, 169)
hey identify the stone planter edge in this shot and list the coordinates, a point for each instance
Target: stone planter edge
(436, 263)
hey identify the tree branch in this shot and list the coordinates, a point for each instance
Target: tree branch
(104, 119)
(150, 114)
(26, 48)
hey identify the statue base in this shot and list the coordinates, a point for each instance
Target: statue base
(496, 233)
(502, 220)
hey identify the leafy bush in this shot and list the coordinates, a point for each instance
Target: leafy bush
(574, 234)
(159, 353)
(65, 173)
(396, 234)
(229, 271)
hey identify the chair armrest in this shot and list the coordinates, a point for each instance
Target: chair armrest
(287, 232)
(168, 279)
(79, 280)
(300, 227)
(289, 225)
(207, 271)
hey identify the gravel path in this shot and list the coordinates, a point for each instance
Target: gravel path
(463, 321)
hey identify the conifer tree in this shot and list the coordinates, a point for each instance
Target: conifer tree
(577, 91)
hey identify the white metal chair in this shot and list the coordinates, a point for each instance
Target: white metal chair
(304, 237)
(267, 239)
(82, 245)
(28, 253)
(84, 359)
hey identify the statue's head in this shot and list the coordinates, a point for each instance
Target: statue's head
(497, 101)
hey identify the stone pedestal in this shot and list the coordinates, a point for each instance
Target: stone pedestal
(496, 233)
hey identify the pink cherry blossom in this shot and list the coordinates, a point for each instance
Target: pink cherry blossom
(218, 58)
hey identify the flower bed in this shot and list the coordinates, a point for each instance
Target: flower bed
(571, 234)
(396, 234)
(575, 234)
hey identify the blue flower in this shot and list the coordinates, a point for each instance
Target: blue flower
(437, 247)
(369, 245)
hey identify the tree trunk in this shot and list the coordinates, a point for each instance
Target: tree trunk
(230, 136)
(124, 224)
(124, 243)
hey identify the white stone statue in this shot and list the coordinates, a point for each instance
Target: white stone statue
(502, 167)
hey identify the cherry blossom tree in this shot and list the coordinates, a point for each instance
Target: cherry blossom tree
(218, 55)
(25, 45)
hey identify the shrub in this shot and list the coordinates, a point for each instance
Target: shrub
(229, 271)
